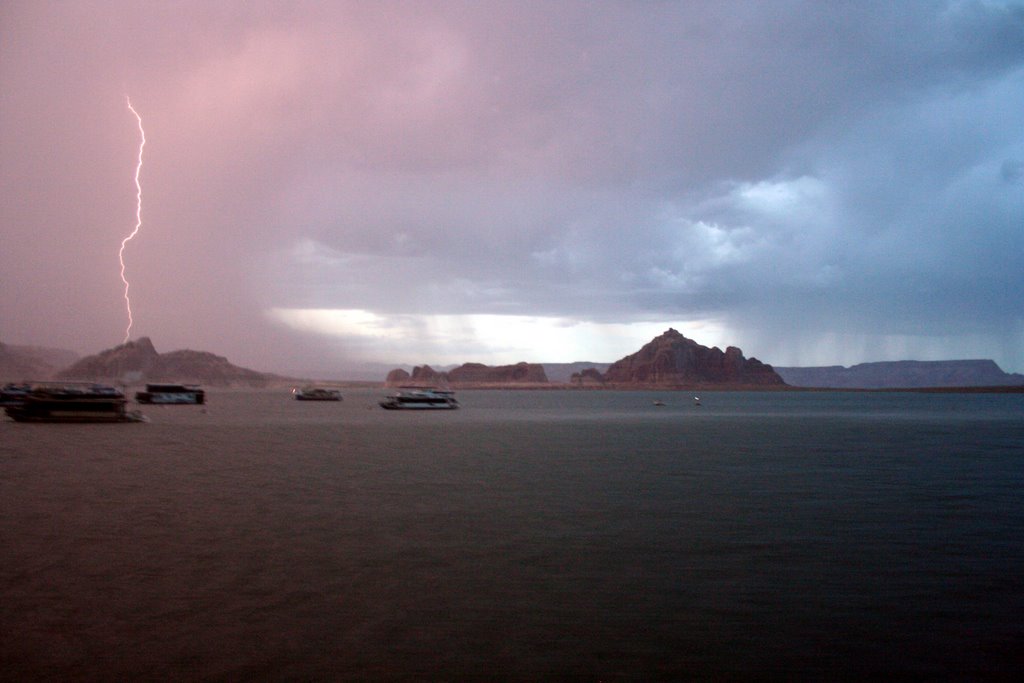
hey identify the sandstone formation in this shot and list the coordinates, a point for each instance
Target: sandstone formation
(427, 375)
(673, 360)
(562, 373)
(422, 376)
(138, 361)
(904, 374)
(591, 377)
(477, 373)
(470, 374)
(397, 377)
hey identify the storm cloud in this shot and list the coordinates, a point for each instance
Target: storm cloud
(331, 184)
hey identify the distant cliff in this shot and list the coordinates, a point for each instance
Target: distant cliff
(904, 374)
(138, 361)
(470, 374)
(422, 375)
(673, 360)
(570, 372)
(19, 363)
(477, 373)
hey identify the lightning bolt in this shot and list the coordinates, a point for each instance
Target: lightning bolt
(138, 219)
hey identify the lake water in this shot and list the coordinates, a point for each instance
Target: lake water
(532, 535)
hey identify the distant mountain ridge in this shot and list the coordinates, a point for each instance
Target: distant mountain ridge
(32, 362)
(902, 374)
(469, 374)
(138, 361)
(670, 360)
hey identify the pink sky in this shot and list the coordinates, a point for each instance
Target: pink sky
(330, 184)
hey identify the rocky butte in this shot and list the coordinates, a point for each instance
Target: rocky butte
(138, 361)
(672, 360)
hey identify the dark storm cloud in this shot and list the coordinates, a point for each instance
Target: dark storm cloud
(828, 182)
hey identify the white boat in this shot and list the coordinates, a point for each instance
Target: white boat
(316, 394)
(416, 398)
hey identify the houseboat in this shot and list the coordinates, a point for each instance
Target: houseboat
(13, 394)
(316, 394)
(73, 402)
(412, 398)
(171, 394)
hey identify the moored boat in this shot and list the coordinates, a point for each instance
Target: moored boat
(418, 398)
(13, 394)
(169, 394)
(73, 402)
(316, 394)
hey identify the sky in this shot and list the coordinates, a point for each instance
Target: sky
(331, 186)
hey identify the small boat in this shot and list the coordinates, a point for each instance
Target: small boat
(696, 400)
(417, 398)
(316, 394)
(170, 394)
(73, 402)
(659, 403)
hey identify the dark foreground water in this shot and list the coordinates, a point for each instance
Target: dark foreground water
(529, 536)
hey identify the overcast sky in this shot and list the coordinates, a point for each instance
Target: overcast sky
(326, 184)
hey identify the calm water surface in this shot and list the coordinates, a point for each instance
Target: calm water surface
(529, 536)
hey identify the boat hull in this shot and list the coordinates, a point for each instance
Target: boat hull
(412, 405)
(316, 394)
(19, 414)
